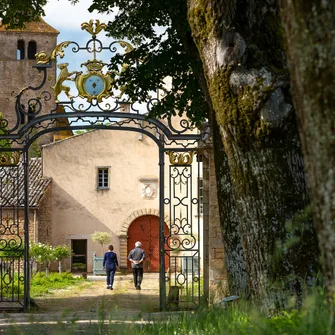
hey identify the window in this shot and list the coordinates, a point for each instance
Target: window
(32, 50)
(103, 178)
(20, 50)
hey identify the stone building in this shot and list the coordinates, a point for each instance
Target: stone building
(17, 57)
(99, 181)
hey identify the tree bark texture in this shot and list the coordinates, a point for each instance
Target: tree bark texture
(234, 259)
(310, 35)
(241, 46)
(237, 276)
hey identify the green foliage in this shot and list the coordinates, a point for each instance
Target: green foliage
(15, 13)
(101, 237)
(78, 266)
(35, 148)
(238, 319)
(61, 252)
(160, 32)
(41, 253)
(3, 143)
(243, 319)
(10, 284)
(41, 284)
(16, 250)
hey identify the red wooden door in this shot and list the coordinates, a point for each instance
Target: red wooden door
(146, 230)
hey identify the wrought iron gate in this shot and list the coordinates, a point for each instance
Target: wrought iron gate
(96, 106)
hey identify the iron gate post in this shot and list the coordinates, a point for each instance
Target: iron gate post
(162, 283)
(26, 300)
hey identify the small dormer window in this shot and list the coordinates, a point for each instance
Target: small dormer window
(32, 49)
(20, 50)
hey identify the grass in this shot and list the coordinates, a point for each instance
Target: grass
(42, 285)
(238, 318)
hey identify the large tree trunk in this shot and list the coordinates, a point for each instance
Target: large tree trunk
(310, 33)
(234, 259)
(240, 43)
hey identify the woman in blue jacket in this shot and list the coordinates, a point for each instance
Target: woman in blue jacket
(111, 265)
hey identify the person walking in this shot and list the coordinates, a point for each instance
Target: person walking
(111, 264)
(136, 257)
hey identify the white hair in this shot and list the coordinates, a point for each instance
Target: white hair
(138, 244)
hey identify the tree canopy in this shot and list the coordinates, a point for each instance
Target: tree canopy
(159, 53)
(15, 13)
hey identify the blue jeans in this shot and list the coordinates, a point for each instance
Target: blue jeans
(110, 276)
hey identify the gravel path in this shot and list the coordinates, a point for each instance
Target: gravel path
(89, 305)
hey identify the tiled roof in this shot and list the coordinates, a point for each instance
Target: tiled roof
(12, 184)
(33, 27)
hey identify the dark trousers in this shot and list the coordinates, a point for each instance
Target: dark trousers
(138, 276)
(110, 277)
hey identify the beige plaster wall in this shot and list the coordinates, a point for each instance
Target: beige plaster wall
(78, 208)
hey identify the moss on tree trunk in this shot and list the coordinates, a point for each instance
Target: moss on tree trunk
(241, 47)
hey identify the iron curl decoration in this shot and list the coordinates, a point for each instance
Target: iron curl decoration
(185, 126)
(189, 242)
(97, 46)
(3, 125)
(187, 229)
(76, 47)
(3, 243)
(173, 242)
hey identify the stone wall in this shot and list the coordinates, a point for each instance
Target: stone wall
(18, 74)
(217, 272)
(44, 218)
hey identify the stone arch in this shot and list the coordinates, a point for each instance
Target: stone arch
(124, 231)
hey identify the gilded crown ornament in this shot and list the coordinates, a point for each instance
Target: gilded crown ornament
(181, 158)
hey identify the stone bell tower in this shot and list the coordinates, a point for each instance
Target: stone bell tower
(17, 56)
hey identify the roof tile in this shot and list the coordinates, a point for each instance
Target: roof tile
(12, 184)
(33, 27)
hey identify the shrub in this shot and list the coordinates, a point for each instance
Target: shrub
(61, 252)
(42, 254)
(101, 237)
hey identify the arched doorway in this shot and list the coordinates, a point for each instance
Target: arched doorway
(146, 230)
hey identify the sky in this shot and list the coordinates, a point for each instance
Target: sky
(67, 19)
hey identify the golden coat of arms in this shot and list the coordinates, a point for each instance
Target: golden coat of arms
(94, 84)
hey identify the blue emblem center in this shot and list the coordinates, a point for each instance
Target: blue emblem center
(94, 85)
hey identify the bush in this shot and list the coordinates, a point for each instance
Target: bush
(41, 284)
(101, 237)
